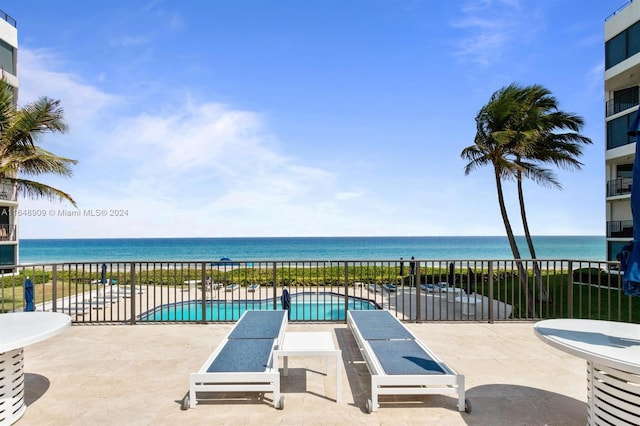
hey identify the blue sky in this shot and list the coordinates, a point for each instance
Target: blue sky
(303, 118)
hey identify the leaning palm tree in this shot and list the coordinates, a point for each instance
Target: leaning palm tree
(21, 158)
(551, 136)
(493, 147)
(498, 128)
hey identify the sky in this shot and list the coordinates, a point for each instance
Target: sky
(212, 118)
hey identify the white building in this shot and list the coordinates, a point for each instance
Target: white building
(8, 195)
(621, 87)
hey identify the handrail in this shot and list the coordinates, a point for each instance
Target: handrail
(618, 10)
(8, 18)
(323, 290)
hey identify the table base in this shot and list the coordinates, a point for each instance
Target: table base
(12, 405)
(613, 396)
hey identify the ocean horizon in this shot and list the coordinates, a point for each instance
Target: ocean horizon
(88, 250)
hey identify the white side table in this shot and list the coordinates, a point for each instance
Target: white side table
(310, 344)
(612, 352)
(18, 330)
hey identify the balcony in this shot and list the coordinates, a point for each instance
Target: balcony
(8, 232)
(614, 106)
(8, 192)
(620, 186)
(620, 229)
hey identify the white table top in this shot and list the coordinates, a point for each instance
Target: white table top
(20, 329)
(615, 344)
(307, 342)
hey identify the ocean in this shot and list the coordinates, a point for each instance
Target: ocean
(305, 248)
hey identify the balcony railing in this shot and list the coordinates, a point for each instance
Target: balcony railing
(8, 232)
(619, 186)
(620, 229)
(616, 105)
(8, 192)
(428, 290)
(8, 18)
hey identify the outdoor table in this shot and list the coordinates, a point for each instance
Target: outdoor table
(612, 352)
(18, 330)
(310, 344)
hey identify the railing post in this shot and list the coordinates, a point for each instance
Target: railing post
(132, 279)
(346, 289)
(417, 287)
(490, 289)
(570, 290)
(203, 289)
(275, 286)
(54, 288)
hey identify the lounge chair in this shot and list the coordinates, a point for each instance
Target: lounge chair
(389, 287)
(243, 362)
(231, 287)
(375, 288)
(442, 288)
(253, 287)
(398, 362)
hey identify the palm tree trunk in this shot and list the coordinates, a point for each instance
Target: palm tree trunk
(524, 282)
(542, 292)
(505, 218)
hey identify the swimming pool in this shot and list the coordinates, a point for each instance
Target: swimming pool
(304, 307)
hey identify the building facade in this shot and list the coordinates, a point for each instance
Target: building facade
(8, 194)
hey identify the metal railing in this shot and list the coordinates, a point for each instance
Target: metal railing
(622, 103)
(7, 232)
(619, 186)
(8, 18)
(429, 290)
(620, 229)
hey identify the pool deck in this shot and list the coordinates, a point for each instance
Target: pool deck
(137, 375)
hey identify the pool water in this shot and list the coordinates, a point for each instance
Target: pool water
(304, 307)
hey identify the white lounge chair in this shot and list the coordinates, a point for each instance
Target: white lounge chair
(375, 288)
(243, 362)
(231, 287)
(442, 289)
(253, 287)
(398, 362)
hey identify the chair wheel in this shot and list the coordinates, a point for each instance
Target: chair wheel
(467, 406)
(369, 406)
(280, 404)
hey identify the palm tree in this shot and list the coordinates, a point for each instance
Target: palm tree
(550, 136)
(519, 129)
(20, 156)
(493, 146)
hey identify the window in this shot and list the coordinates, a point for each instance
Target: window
(622, 46)
(617, 131)
(7, 255)
(624, 171)
(6, 57)
(614, 248)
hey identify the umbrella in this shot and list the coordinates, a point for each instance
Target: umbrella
(285, 299)
(452, 275)
(103, 275)
(629, 256)
(28, 296)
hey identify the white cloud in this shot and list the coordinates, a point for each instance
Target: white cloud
(492, 25)
(83, 104)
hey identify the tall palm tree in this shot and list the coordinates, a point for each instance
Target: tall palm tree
(493, 146)
(550, 136)
(519, 129)
(20, 155)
